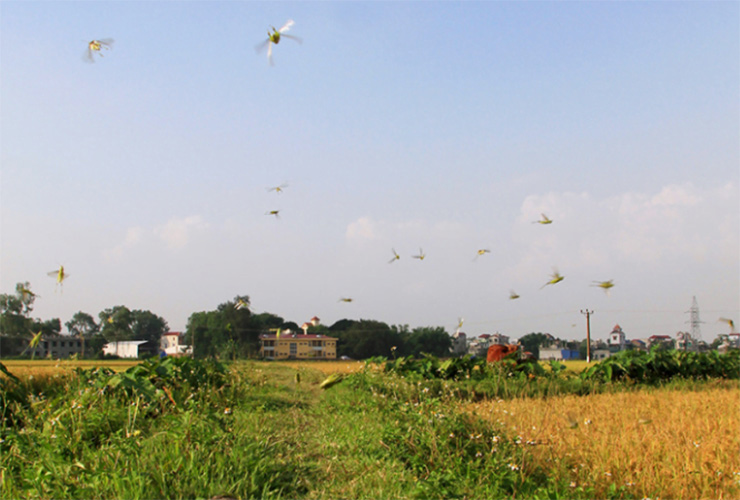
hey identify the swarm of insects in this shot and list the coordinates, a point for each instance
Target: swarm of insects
(274, 37)
(95, 46)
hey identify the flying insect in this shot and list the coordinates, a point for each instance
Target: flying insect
(543, 220)
(59, 274)
(729, 322)
(274, 37)
(606, 285)
(395, 256)
(346, 299)
(460, 322)
(276, 213)
(278, 189)
(420, 256)
(25, 293)
(94, 46)
(556, 278)
(34, 343)
(480, 252)
(513, 295)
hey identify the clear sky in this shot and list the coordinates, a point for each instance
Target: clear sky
(444, 126)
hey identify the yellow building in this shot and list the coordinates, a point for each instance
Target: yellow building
(297, 346)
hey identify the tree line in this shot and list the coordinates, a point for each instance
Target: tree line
(230, 331)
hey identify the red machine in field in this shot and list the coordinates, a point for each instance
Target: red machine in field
(498, 352)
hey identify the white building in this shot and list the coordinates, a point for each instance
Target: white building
(684, 342)
(130, 348)
(171, 344)
(617, 339)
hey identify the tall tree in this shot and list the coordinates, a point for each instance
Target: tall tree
(229, 331)
(49, 327)
(368, 338)
(14, 310)
(26, 296)
(120, 323)
(532, 342)
(82, 325)
(430, 340)
(115, 323)
(146, 325)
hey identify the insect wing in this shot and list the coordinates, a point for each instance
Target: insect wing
(88, 56)
(269, 54)
(286, 26)
(261, 46)
(295, 38)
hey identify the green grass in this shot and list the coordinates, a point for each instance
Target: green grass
(177, 430)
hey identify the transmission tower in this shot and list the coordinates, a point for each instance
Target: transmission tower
(694, 321)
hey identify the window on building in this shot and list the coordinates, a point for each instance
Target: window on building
(293, 348)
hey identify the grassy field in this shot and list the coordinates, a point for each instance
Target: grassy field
(257, 430)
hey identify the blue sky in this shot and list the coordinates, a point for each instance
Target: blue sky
(396, 125)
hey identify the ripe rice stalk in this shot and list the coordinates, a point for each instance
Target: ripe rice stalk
(666, 443)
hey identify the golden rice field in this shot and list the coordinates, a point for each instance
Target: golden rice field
(685, 444)
(49, 367)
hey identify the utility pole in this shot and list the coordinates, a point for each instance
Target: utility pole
(588, 333)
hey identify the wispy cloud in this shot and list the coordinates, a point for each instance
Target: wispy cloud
(133, 236)
(175, 234)
(678, 222)
(363, 228)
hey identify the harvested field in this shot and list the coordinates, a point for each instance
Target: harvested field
(682, 443)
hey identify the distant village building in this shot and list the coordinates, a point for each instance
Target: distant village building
(600, 354)
(728, 342)
(499, 339)
(459, 344)
(684, 342)
(558, 353)
(664, 341)
(131, 348)
(617, 339)
(172, 344)
(55, 346)
(637, 344)
(286, 345)
(479, 346)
